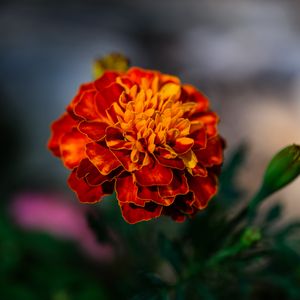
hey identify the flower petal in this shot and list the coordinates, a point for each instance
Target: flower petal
(204, 189)
(178, 186)
(105, 80)
(212, 154)
(115, 139)
(85, 192)
(154, 174)
(199, 136)
(134, 214)
(107, 97)
(127, 191)
(86, 107)
(123, 156)
(84, 87)
(102, 158)
(210, 120)
(167, 159)
(64, 124)
(90, 172)
(191, 94)
(183, 145)
(72, 148)
(199, 170)
(182, 206)
(93, 129)
(150, 193)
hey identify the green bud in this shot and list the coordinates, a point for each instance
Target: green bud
(282, 169)
(112, 62)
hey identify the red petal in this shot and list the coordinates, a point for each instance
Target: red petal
(88, 170)
(204, 189)
(209, 119)
(183, 145)
(84, 87)
(182, 206)
(134, 214)
(165, 159)
(151, 194)
(102, 158)
(154, 174)
(107, 97)
(212, 154)
(94, 130)
(199, 170)
(86, 107)
(105, 80)
(199, 137)
(127, 191)
(115, 139)
(136, 74)
(123, 156)
(85, 193)
(191, 94)
(72, 148)
(178, 186)
(58, 129)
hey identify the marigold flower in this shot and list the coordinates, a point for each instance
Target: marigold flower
(145, 135)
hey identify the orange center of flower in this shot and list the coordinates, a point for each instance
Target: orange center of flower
(152, 116)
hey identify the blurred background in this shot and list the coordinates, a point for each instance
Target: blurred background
(245, 55)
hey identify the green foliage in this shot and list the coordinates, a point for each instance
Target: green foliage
(209, 257)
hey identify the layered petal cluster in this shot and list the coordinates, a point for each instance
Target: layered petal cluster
(145, 135)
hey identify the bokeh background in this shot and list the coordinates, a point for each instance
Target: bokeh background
(245, 55)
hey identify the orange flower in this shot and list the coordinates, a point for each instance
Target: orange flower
(145, 135)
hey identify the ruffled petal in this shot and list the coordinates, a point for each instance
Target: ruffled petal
(88, 171)
(150, 193)
(93, 129)
(64, 124)
(210, 121)
(212, 154)
(183, 145)
(204, 189)
(154, 174)
(127, 191)
(105, 80)
(115, 139)
(72, 148)
(191, 94)
(182, 207)
(133, 214)
(85, 192)
(166, 159)
(137, 75)
(102, 158)
(123, 156)
(178, 186)
(107, 97)
(198, 135)
(199, 170)
(86, 107)
(84, 87)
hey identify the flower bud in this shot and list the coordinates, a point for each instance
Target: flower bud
(112, 62)
(282, 169)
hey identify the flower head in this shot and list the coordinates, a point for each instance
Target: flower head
(145, 135)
